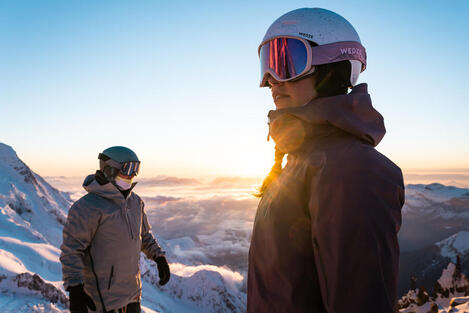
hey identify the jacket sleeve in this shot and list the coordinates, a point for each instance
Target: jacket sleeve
(355, 216)
(82, 223)
(150, 246)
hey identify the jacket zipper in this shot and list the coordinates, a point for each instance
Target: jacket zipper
(321, 269)
(127, 219)
(110, 277)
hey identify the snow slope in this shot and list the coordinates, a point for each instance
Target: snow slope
(26, 199)
(32, 214)
(457, 244)
(31, 217)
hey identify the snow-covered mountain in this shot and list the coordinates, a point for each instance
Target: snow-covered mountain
(443, 209)
(435, 229)
(427, 263)
(28, 200)
(32, 214)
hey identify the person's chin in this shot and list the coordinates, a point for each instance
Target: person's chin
(283, 103)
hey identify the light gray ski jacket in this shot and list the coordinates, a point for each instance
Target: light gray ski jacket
(102, 240)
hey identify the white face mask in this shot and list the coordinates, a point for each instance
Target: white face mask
(123, 183)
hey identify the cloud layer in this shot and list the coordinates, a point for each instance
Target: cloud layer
(215, 231)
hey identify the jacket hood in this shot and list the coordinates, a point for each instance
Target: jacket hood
(108, 191)
(352, 113)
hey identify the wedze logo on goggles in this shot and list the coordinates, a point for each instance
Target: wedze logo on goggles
(287, 58)
(127, 168)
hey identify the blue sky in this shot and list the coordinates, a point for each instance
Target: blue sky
(177, 81)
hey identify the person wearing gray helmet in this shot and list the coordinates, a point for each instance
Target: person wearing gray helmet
(105, 231)
(325, 233)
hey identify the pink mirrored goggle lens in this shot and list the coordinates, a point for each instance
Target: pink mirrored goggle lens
(285, 57)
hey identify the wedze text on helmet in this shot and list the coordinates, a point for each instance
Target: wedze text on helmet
(306, 35)
(351, 51)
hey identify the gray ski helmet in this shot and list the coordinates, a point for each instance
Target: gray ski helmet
(121, 154)
(118, 159)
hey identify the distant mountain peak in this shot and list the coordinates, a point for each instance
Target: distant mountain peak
(435, 186)
(9, 159)
(6, 150)
(436, 201)
(30, 198)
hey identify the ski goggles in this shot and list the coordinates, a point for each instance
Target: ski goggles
(288, 58)
(130, 168)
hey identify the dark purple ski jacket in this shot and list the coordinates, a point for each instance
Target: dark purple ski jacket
(325, 233)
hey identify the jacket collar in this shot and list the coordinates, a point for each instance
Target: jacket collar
(108, 191)
(352, 113)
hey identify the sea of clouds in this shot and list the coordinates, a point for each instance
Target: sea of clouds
(208, 221)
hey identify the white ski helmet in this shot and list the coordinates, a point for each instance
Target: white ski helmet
(336, 38)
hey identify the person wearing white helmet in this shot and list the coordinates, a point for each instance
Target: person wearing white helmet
(325, 233)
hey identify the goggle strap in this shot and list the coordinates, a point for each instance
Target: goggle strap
(109, 161)
(114, 164)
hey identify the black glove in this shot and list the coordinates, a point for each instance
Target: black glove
(163, 270)
(79, 300)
